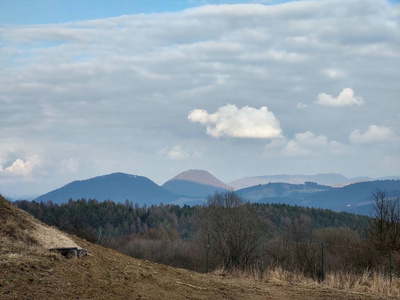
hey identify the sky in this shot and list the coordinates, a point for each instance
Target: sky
(237, 88)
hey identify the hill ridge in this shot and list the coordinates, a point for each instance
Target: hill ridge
(115, 186)
(331, 179)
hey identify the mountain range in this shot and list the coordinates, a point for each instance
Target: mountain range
(193, 186)
(354, 198)
(188, 187)
(330, 179)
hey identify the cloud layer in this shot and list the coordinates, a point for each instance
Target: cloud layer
(374, 134)
(99, 96)
(302, 144)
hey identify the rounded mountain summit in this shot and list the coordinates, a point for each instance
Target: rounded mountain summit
(117, 187)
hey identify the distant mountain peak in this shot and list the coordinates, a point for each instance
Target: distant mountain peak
(201, 177)
(115, 186)
(195, 184)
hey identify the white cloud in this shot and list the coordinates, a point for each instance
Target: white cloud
(374, 134)
(276, 143)
(309, 139)
(246, 122)
(23, 168)
(345, 98)
(292, 148)
(304, 143)
(177, 153)
(69, 165)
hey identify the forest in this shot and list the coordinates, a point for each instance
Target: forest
(85, 218)
(177, 236)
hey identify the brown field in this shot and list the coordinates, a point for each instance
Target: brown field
(29, 271)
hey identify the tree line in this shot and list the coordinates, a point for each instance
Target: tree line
(175, 235)
(84, 218)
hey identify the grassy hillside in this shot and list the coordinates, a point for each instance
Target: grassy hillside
(29, 271)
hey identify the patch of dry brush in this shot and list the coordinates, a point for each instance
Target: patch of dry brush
(369, 282)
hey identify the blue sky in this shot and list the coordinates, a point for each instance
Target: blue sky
(152, 89)
(25, 12)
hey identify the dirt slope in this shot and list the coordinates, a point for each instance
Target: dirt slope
(106, 274)
(28, 271)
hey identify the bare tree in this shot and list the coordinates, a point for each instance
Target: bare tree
(385, 224)
(300, 239)
(235, 226)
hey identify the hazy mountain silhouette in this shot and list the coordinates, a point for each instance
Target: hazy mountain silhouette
(330, 179)
(193, 186)
(117, 187)
(355, 198)
(282, 190)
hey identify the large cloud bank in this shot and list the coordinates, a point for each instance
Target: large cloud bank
(93, 97)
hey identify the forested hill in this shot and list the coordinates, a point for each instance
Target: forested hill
(357, 197)
(116, 186)
(85, 218)
(354, 198)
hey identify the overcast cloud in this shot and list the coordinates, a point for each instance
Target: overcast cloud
(238, 90)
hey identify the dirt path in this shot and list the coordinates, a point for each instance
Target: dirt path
(106, 274)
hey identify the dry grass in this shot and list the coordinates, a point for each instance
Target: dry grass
(279, 275)
(13, 226)
(22, 255)
(20, 226)
(375, 283)
(368, 282)
(51, 237)
(21, 262)
(29, 271)
(24, 240)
